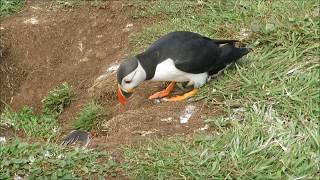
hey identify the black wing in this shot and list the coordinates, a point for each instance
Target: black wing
(194, 53)
(74, 136)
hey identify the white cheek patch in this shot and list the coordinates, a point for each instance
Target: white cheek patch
(129, 77)
(136, 77)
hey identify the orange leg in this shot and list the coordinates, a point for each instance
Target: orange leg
(163, 93)
(182, 97)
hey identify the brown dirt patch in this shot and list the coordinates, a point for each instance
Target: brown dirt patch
(46, 45)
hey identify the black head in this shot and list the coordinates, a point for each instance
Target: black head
(126, 67)
(130, 74)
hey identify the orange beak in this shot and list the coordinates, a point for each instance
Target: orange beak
(121, 97)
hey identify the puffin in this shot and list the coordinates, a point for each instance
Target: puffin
(179, 56)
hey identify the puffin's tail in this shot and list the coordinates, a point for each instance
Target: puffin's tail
(230, 53)
(218, 41)
(229, 48)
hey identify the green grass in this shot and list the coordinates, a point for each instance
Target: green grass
(89, 116)
(48, 161)
(276, 133)
(259, 148)
(44, 125)
(10, 6)
(57, 99)
(40, 126)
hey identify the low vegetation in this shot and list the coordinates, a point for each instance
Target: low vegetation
(44, 126)
(49, 161)
(56, 100)
(271, 97)
(10, 6)
(89, 116)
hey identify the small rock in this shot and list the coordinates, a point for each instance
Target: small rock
(17, 177)
(32, 20)
(244, 33)
(60, 156)
(190, 109)
(157, 101)
(129, 25)
(47, 154)
(239, 110)
(35, 7)
(169, 119)
(85, 59)
(113, 68)
(3, 140)
(204, 128)
(31, 159)
(292, 70)
(80, 46)
(143, 133)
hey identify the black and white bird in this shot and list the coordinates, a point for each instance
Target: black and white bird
(179, 56)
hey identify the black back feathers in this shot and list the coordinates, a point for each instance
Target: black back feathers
(191, 53)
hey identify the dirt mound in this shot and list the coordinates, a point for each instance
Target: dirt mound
(141, 118)
(11, 76)
(57, 45)
(47, 45)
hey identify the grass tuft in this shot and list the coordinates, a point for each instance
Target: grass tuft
(31, 124)
(10, 6)
(89, 116)
(56, 100)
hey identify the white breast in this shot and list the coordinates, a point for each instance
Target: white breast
(167, 71)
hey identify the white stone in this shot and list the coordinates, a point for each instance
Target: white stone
(189, 110)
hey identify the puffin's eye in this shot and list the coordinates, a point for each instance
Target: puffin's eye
(127, 81)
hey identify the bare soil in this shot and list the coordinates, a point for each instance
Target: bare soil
(45, 45)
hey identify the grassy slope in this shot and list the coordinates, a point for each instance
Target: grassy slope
(276, 132)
